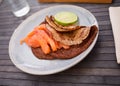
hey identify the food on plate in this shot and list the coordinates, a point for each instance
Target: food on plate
(56, 38)
(70, 38)
(73, 51)
(51, 21)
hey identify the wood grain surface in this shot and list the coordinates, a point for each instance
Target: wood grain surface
(99, 68)
(80, 1)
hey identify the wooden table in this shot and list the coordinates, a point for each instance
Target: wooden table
(99, 68)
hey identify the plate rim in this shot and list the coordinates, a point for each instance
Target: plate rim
(57, 70)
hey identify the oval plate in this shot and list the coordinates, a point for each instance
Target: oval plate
(22, 56)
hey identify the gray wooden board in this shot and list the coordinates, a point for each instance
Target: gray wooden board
(99, 68)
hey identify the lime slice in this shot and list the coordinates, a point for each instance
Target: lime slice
(66, 18)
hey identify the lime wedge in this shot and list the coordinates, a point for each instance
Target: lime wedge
(66, 18)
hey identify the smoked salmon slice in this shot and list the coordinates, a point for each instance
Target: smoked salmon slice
(43, 43)
(48, 39)
(42, 37)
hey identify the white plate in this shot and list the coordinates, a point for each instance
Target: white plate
(22, 56)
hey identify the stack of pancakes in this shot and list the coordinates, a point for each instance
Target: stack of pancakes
(77, 37)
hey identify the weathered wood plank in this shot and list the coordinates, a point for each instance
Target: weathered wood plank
(104, 50)
(72, 71)
(105, 27)
(92, 71)
(104, 22)
(4, 42)
(105, 38)
(97, 64)
(100, 10)
(8, 27)
(9, 69)
(101, 57)
(54, 78)
(100, 14)
(6, 56)
(7, 30)
(12, 82)
(4, 38)
(69, 84)
(106, 32)
(5, 33)
(3, 52)
(8, 19)
(112, 80)
(3, 47)
(11, 22)
(62, 78)
(116, 1)
(6, 62)
(102, 18)
(105, 44)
